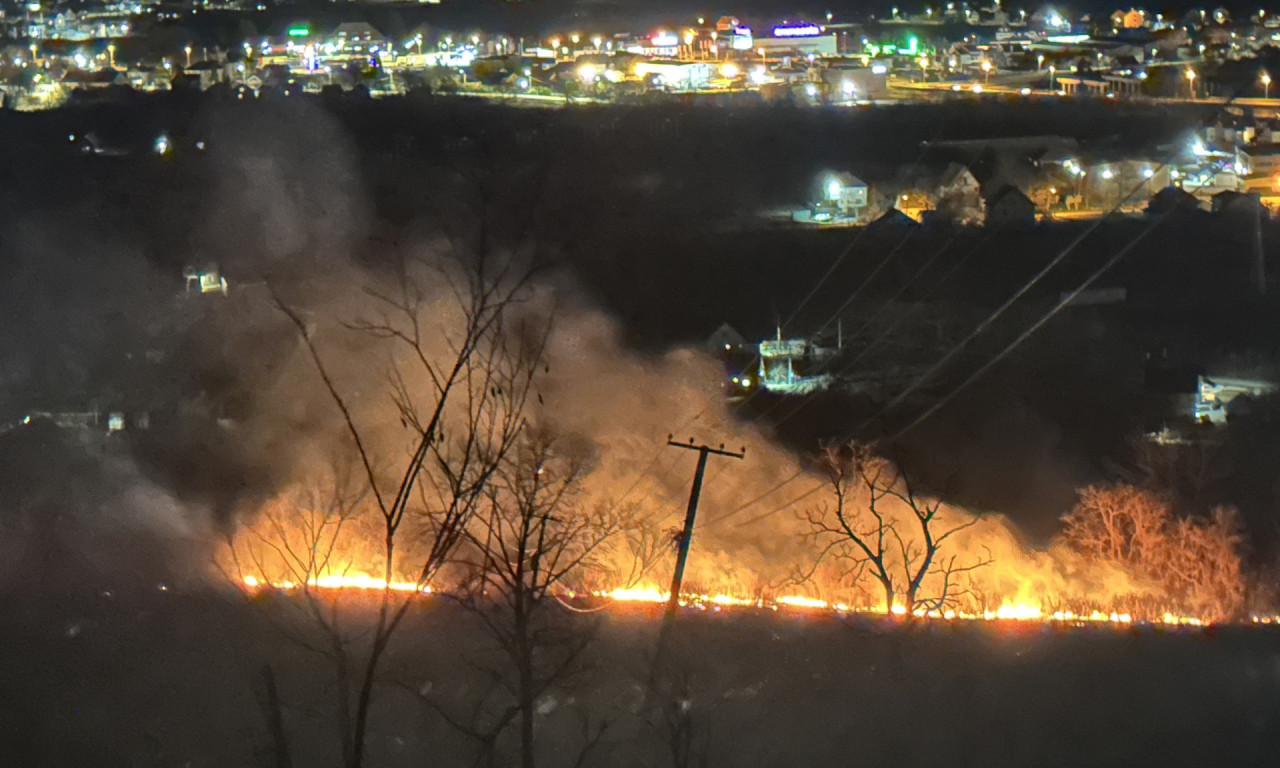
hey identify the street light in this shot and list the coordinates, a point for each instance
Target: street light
(111, 54)
(1040, 61)
(1266, 85)
(1053, 86)
(188, 50)
(986, 70)
(1191, 82)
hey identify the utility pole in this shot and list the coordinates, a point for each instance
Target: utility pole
(682, 547)
(682, 544)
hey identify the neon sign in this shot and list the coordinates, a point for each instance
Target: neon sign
(802, 30)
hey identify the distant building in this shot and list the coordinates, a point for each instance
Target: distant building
(960, 196)
(357, 37)
(1009, 207)
(1169, 199)
(846, 192)
(1219, 398)
(797, 45)
(843, 197)
(676, 75)
(782, 367)
(894, 219)
(725, 339)
(1264, 159)
(205, 280)
(850, 84)
(1238, 203)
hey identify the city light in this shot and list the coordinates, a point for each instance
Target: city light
(588, 73)
(729, 70)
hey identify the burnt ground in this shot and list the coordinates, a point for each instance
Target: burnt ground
(173, 678)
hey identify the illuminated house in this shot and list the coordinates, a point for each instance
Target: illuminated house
(783, 365)
(846, 193)
(843, 198)
(1218, 398)
(206, 280)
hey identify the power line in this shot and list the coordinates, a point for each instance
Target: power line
(1026, 334)
(1062, 302)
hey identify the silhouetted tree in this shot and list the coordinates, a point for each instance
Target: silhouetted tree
(878, 524)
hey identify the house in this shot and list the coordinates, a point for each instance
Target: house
(1233, 203)
(1218, 398)
(847, 193)
(1009, 207)
(843, 197)
(785, 367)
(205, 280)
(1169, 199)
(893, 219)
(725, 339)
(960, 196)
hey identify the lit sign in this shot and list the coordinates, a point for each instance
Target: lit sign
(803, 30)
(664, 40)
(298, 31)
(1066, 39)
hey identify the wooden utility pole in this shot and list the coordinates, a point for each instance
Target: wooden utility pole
(682, 544)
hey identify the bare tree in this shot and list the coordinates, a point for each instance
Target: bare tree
(1195, 561)
(529, 540)
(878, 524)
(461, 370)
